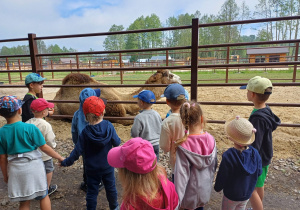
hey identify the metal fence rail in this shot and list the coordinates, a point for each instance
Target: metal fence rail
(36, 60)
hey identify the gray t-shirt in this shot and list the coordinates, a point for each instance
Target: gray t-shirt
(147, 125)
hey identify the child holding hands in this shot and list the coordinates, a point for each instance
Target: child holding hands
(20, 161)
(196, 159)
(40, 109)
(240, 165)
(144, 181)
(95, 140)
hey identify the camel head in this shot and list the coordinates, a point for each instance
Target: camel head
(163, 77)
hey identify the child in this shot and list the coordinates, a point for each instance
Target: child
(34, 83)
(39, 108)
(21, 163)
(145, 183)
(196, 159)
(79, 123)
(186, 95)
(265, 122)
(147, 124)
(172, 127)
(95, 140)
(240, 165)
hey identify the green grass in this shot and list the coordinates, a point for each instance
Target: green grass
(215, 76)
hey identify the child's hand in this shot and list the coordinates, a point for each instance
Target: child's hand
(51, 111)
(59, 161)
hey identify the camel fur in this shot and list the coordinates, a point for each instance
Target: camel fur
(111, 94)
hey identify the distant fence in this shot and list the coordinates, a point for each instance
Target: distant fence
(41, 63)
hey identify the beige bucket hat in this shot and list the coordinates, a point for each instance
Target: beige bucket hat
(240, 131)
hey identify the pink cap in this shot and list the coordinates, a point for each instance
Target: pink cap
(40, 104)
(137, 155)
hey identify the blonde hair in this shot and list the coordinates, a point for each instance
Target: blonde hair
(191, 114)
(144, 186)
(92, 118)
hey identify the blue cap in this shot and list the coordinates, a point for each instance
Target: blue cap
(146, 96)
(33, 77)
(10, 102)
(174, 91)
(98, 92)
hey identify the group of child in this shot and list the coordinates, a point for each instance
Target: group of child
(192, 152)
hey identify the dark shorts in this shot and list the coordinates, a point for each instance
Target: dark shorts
(156, 151)
(49, 167)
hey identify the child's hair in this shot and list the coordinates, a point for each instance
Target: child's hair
(28, 85)
(264, 97)
(6, 113)
(144, 186)
(92, 118)
(176, 103)
(191, 114)
(146, 105)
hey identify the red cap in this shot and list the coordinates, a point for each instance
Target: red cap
(93, 105)
(40, 104)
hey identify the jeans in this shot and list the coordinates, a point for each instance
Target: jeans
(156, 151)
(93, 180)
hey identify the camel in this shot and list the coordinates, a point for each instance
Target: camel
(111, 94)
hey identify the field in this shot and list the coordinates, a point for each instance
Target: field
(283, 182)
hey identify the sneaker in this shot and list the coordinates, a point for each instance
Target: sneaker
(83, 186)
(52, 189)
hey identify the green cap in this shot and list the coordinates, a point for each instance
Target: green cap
(259, 85)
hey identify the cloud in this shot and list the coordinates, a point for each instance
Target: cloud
(62, 17)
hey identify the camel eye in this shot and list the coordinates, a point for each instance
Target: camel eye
(171, 76)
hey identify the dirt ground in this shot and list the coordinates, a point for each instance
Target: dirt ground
(282, 189)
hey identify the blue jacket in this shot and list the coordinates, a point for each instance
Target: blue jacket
(95, 141)
(265, 122)
(78, 121)
(238, 173)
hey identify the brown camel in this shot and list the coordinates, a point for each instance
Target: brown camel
(111, 94)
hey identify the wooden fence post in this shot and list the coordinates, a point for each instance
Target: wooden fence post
(227, 62)
(296, 59)
(77, 62)
(7, 67)
(121, 72)
(194, 59)
(167, 57)
(19, 62)
(52, 68)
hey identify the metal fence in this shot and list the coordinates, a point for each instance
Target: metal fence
(39, 65)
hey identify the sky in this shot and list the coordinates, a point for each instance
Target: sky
(64, 17)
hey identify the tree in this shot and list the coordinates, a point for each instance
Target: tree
(115, 42)
(229, 12)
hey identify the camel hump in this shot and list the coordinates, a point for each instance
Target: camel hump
(77, 78)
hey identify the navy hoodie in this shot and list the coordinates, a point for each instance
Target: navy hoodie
(94, 142)
(265, 122)
(238, 173)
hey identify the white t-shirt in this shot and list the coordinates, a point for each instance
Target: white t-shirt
(46, 130)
